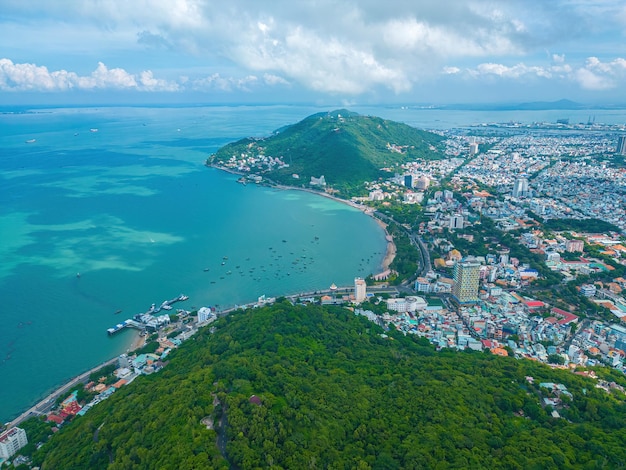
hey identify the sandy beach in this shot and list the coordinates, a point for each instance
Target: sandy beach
(391, 246)
(138, 342)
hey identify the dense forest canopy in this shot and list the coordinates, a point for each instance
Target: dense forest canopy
(318, 387)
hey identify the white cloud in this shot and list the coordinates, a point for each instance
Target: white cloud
(598, 75)
(592, 75)
(347, 48)
(216, 81)
(31, 77)
(451, 70)
(271, 79)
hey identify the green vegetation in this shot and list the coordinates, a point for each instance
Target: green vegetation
(580, 225)
(345, 147)
(333, 392)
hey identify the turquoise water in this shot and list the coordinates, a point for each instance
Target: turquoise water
(133, 209)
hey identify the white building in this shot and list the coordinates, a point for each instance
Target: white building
(588, 290)
(205, 315)
(360, 290)
(11, 441)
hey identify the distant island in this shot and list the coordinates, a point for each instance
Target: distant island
(339, 149)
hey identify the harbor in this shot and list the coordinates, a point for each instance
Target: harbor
(147, 321)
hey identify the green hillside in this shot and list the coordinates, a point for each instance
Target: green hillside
(313, 387)
(345, 147)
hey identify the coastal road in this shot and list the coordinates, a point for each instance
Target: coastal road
(45, 405)
(416, 240)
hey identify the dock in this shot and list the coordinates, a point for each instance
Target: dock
(142, 325)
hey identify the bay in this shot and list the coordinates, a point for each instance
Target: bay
(113, 209)
(120, 196)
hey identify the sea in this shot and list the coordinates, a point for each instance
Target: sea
(107, 210)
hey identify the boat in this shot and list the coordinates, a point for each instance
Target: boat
(93, 129)
(31, 141)
(77, 274)
(117, 312)
(206, 269)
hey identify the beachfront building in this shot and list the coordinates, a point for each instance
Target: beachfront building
(11, 441)
(466, 282)
(360, 290)
(205, 315)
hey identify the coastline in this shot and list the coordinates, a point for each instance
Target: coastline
(390, 254)
(137, 341)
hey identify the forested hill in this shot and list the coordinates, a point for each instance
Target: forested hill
(345, 147)
(318, 387)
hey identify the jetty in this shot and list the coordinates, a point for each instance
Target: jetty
(143, 321)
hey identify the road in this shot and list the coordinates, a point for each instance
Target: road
(424, 261)
(45, 405)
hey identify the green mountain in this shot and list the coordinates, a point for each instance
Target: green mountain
(345, 147)
(318, 387)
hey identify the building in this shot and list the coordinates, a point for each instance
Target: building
(621, 145)
(11, 441)
(422, 285)
(456, 222)
(408, 181)
(520, 187)
(360, 290)
(422, 183)
(123, 362)
(573, 246)
(473, 148)
(466, 282)
(588, 290)
(205, 315)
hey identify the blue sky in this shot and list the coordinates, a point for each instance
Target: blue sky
(316, 51)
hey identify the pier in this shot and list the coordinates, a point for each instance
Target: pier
(142, 325)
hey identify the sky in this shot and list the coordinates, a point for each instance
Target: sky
(312, 51)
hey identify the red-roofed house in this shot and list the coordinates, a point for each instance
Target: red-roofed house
(54, 418)
(534, 304)
(565, 317)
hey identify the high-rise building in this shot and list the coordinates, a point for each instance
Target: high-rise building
(408, 181)
(123, 362)
(466, 282)
(621, 145)
(520, 187)
(204, 315)
(456, 222)
(473, 148)
(360, 290)
(11, 441)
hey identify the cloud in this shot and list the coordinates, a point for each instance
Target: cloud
(344, 48)
(594, 74)
(218, 82)
(598, 75)
(31, 77)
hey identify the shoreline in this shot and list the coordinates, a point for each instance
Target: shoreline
(138, 341)
(390, 253)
